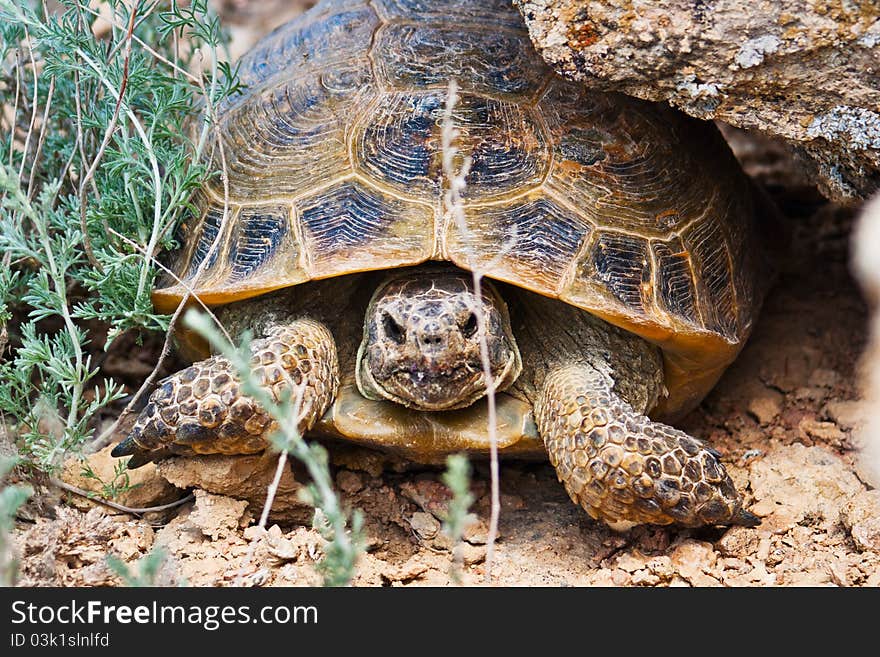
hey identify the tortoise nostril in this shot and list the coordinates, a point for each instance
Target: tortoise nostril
(431, 339)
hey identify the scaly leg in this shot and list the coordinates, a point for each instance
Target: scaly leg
(202, 410)
(621, 466)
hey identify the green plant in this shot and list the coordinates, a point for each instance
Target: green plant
(145, 573)
(458, 478)
(11, 499)
(344, 544)
(101, 149)
(119, 485)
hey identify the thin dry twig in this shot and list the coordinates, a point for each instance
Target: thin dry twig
(138, 511)
(107, 436)
(13, 121)
(4, 334)
(35, 164)
(454, 210)
(34, 106)
(177, 69)
(104, 439)
(80, 142)
(272, 490)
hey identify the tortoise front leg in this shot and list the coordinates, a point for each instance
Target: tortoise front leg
(621, 466)
(202, 410)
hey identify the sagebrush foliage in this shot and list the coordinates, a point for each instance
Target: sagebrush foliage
(145, 572)
(102, 141)
(458, 479)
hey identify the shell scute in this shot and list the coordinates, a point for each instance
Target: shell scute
(619, 264)
(674, 279)
(303, 42)
(352, 226)
(528, 242)
(425, 56)
(491, 13)
(260, 233)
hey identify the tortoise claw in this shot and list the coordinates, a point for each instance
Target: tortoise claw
(746, 519)
(126, 448)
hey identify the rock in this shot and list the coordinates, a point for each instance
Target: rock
(790, 369)
(217, 516)
(132, 542)
(476, 532)
(411, 569)
(425, 525)
(769, 160)
(738, 542)
(275, 548)
(146, 487)
(848, 415)
(802, 71)
(371, 461)
(767, 406)
(812, 395)
(71, 549)
(644, 578)
(281, 549)
(796, 484)
(824, 378)
(861, 517)
(244, 478)
(432, 496)
(693, 560)
(661, 566)
(620, 577)
(826, 432)
(631, 562)
(472, 554)
(818, 577)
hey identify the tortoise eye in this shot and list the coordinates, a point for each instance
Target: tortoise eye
(469, 328)
(392, 329)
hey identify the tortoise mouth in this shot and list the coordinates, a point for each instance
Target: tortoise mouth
(436, 388)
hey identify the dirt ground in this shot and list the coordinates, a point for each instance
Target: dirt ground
(785, 417)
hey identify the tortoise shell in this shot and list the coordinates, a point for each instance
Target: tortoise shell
(626, 209)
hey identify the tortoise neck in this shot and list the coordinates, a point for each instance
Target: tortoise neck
(553, 334)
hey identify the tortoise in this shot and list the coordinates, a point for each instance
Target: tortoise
(615, 242)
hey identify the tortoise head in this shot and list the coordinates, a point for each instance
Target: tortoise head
(421, 344)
